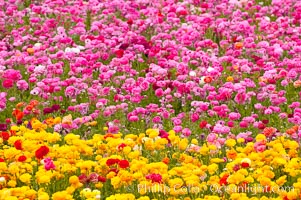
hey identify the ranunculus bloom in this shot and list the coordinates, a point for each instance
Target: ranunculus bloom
(203, 124)
(3, 127)
(124, 164)
(8, 83)
(102, 179)
(83, 178)
(5, 135)
(22, 158)
(112, 161)
(155, 178)
(18, 144)
(41, 152)
(48, 164)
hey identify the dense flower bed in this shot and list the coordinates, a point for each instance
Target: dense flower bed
(150, 99)
(157, 164)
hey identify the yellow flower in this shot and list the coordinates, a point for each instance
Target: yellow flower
(194, 141)
(230, 79)
(281, 180)
(25, 178)
(61, 196)
(260, 137)
(231, 143)
(212, 168)
(12, 183)
(183, 144)
(115, 181)
(217, 160)
(110, 175)
(292, 195)
(44, 179)
(43, 196)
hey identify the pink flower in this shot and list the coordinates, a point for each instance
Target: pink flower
(159, 92)
(155, 178)
(211, 137)
(186, 132)
(22, 85)
(240, 98)
(156, 119)
(234, 116)
(48, 164)
(133, 118)
(8, 83)
(243, 124)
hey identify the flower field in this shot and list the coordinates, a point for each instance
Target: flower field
(150, 100)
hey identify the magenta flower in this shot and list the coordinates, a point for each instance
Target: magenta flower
(48, 164)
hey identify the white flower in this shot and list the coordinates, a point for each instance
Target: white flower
(68, 50)
(75, 50)
(210, 69)
(202, 80)
(192, 73)
(2, 179)
(145, 139)
(81, 47)
(137, 148)
(37, 44)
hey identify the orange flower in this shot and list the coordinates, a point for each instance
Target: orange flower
(20, 104)
(18, 114)
(29, 107)
(261, 79)
(49, 121)
(109, 135)
(34, 103)
(230, 79)
(290, 131)
(238, 45)
(231, 154)
(208, 79)
(269, 131)
(297, 83)
(30, 50)
(166, 160)
(235, 67)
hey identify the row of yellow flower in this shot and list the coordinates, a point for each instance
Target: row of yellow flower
(36, 164)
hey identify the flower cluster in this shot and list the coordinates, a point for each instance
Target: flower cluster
(36, 164)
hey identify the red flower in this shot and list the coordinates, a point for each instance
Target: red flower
(124, 164)
(102, 179)
(223, 180)
(22, 158)
(261, 126)
(18, 144)
(245, 165)
(83, 178)
(121, 146)
(2, 160)
(119, 53)
(41, 152)
(130, 22)
(203, 124)
(112, 161)
(5, 135)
